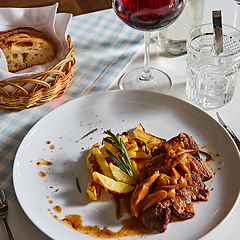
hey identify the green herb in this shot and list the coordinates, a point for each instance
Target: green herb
(118, 206)
(208, 154)
(123, 160)
(78, 185)
(94, 130)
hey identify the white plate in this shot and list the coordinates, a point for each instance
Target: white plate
(162, 115)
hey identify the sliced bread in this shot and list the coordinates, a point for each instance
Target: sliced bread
(25, 47)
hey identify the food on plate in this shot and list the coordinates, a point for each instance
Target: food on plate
(112, 186)
(119, 175)
(158, 178)
(25, 47)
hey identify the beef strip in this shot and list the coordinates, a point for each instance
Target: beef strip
(197, 186)
(157, 150)
(187, 140)
(204, 170)
(189, 143)
(182, 206)
(156, 217)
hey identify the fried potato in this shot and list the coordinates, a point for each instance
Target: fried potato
(93, 189)
(125, 137)
(112, 186)
(151, 140)
(88, 163)
(142, 145)
(110, 147)
(96, 155)
(96, 162)
(130, 145)
(104, 173)
(119, 175)
(135, 170)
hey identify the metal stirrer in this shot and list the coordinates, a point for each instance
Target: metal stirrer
(217, 24)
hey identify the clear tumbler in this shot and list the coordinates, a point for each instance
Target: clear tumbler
(211, 78)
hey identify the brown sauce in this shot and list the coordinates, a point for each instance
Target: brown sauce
(131, 227)
(52, 147)
(57, 209)
(42, 174)
(43, 162)
(209, 158)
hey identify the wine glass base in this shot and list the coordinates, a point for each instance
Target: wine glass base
(160, 81)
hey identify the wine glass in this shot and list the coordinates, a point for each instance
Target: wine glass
(147, 16)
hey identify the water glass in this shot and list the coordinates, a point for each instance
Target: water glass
(211, 78)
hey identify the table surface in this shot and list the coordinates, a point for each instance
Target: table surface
(104, 49)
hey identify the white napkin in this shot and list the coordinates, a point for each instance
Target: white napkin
(45, 19)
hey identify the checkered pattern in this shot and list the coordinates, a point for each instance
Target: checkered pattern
(103, 45)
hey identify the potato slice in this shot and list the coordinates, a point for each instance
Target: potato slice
(96, 155)
(125, 137)
(131, 147)
(93, 189)
(135, 170)
(88, 163)
(119, 175)
(112, 186)
(151, 140)
(96, 162)
(142, 145)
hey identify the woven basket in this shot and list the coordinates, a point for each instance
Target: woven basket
(45, 85)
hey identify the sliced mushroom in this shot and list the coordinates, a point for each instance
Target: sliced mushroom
(152, 199)
(141, 192)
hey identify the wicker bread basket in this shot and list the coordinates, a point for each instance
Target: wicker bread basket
(43, 90)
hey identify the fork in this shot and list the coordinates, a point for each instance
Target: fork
(229, 130)
(4, 212)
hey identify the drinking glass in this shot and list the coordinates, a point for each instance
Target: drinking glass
(237, 15)
(147, 16)
(211, 78)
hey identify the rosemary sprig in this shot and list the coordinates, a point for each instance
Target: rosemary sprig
(77, 182)
(123, 160)
(94, 130)
(118, 206)
(206, 153)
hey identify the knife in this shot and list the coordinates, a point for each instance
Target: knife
(229, 130)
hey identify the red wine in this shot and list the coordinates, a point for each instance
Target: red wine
(148, 15)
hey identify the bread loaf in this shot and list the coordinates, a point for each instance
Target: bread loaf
(25, 47)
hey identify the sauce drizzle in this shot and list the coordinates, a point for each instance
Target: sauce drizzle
(131, 227)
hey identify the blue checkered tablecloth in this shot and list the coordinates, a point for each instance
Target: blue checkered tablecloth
(103, 45)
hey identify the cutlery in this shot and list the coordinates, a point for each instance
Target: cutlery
(4, 212)
(229, 130)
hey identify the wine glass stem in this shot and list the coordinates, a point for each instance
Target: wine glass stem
(146, 75)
